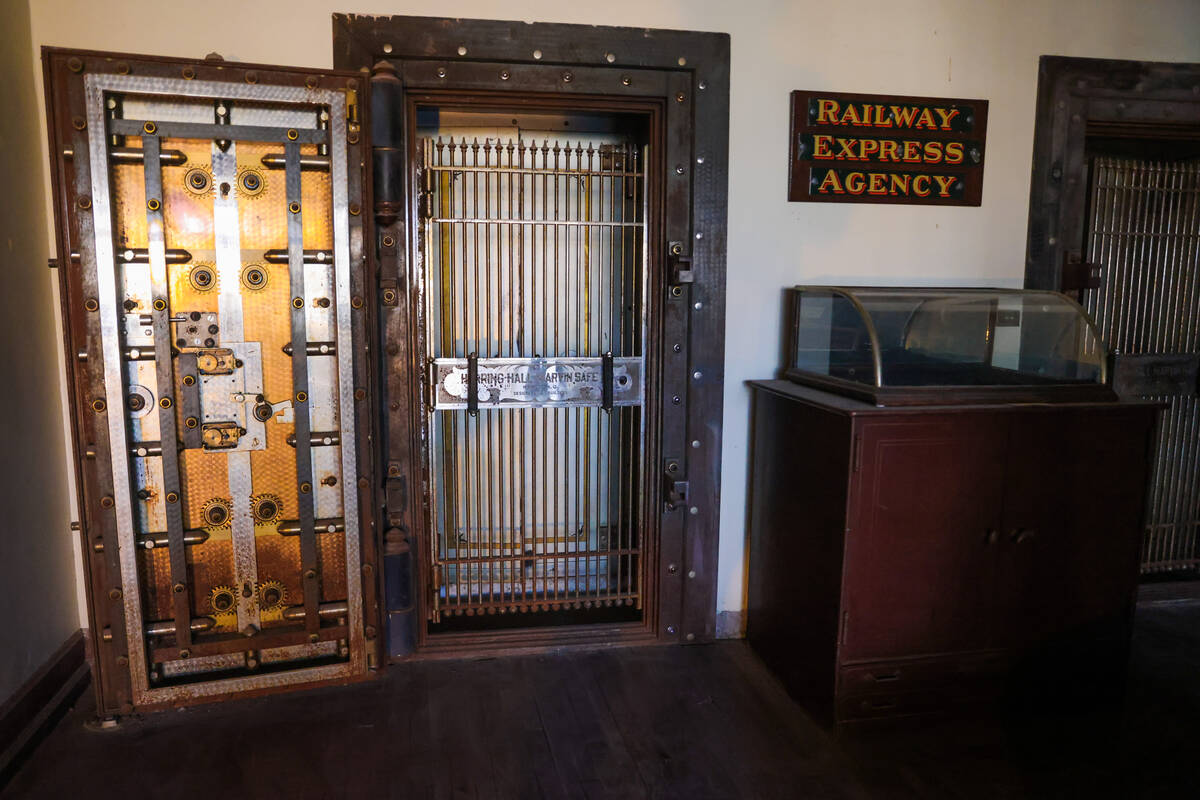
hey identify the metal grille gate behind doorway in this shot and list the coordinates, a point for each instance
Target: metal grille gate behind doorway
(1144, 227)
(534, 307)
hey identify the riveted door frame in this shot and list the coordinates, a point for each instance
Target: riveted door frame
(688, 74)
(1081, 95)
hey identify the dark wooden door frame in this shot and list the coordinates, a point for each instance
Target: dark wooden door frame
(688, 73)
(1078, 96)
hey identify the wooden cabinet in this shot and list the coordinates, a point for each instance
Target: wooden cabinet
(916, 559)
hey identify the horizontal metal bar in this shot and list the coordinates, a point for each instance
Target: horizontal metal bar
(319, 438)
(202, 130)
(134, 155)
(149, 541)
(291, 527)
(310, 256)
(146, 449)
(536, 604)
(534, 171)
(166, 627)
(140, 255)
(314, 162)
(325, 610)
(563, 556)
(577, 223)
(314, 348)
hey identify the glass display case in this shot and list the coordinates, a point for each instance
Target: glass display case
(902, 346)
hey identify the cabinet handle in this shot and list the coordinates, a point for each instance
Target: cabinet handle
(885, 677)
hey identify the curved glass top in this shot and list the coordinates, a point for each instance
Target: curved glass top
(885, 337)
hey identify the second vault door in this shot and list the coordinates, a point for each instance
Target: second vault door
(533, 245)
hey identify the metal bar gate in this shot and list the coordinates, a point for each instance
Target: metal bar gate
(534, 267)
(1145, 229)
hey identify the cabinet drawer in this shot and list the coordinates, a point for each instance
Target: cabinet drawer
(895, 676)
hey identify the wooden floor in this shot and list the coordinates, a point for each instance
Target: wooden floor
(679, 722)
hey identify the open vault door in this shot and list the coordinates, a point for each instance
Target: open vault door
(212, 279)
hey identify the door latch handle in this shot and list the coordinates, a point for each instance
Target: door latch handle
(680, 262)
(675, 487)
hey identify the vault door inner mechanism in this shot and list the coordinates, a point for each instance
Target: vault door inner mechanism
(1144, 227)
(222, 266)
(533, 245)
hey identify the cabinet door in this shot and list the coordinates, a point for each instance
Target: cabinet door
(1068, 551)
(919, 552)
(213, 276)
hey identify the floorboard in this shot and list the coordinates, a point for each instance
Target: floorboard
(651, 722)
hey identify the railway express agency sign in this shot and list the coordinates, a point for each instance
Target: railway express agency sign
(857, 148)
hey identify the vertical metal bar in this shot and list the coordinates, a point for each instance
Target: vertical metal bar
(309, 567)
(164, 370)
(227, 232)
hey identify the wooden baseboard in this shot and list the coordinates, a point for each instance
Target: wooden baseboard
(26, 715)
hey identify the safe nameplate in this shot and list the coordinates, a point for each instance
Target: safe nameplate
(536, 382)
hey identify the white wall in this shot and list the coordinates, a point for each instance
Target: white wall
(961, 48)
(37, 565)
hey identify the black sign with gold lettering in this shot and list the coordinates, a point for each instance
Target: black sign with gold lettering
(858, 148)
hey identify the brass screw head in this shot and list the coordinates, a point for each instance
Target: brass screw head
(78, 123)
(122, 68)
(178, 588)
(160, 305)
(356, 302)
(189, 380)
(191, 422)
(99, 405)
(294, 207)
(188, 73)
(314, 638)
(251, 76)
(355, 209)
(84, 202)
(305, 487)
(114, 594)
(106, 502)
(297, 302)
(90, 304)
(165, 402)
(172, 497)
(293, 134)
(310, 574)
(360, 394)
(185, 653)
(301, 397)
(149, 127)
(75, 65)
(153, 204)
(388, 240)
